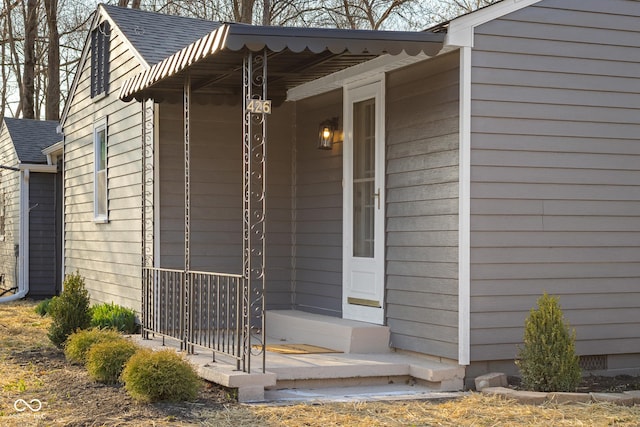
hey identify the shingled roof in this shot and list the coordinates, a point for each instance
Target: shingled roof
(156, 36)
(30, 137)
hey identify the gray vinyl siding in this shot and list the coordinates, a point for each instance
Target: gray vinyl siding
(555, 193)
(106, 255)
(318, 209)
(217, 192)
(422, 206)
(10, 196)
(42, 235)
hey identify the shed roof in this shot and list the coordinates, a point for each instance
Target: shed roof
(30, 137)
(296, 56)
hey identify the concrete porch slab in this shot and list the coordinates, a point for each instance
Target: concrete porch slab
(313, 367)
(322, 372)
(348, 336)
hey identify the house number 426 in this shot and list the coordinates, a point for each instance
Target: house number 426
(258, 106)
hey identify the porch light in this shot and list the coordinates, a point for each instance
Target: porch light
(328, 134)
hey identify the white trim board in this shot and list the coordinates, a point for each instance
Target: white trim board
(464, 210)
(461, 30)
(36, 167)
(365, 71)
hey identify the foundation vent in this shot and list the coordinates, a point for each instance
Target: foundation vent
(593, 363)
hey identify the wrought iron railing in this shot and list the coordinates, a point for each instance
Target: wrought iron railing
(201, 309)
(163, 303)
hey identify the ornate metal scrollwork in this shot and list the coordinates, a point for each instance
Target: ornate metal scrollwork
(147, 238)
(187, 209)
(148, 170)
(254, 208)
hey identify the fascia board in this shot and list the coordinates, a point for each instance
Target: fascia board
(461, 30)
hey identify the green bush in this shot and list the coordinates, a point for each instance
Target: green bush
(548, 361)
(69, 311)
(79, 343)
(161, 375)
(110, 315)
(105, 360)
(43, 307)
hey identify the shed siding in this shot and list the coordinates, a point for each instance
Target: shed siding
(216, 194)
(318, 210)
(556, 174)
(10, 196)
(422, 206)
(42, 235)
(107, 255)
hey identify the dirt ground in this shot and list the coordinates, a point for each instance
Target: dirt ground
(31, 368)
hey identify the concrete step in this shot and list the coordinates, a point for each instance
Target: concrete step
(335, 370)
(348, 336)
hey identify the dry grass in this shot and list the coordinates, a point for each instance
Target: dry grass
(21, 330)
(474, 410)
(24, 332)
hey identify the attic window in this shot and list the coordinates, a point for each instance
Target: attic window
(100, 59)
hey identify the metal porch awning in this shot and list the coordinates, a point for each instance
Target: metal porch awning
(296, 56)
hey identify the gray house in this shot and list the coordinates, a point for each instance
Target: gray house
(432, 183)
(30, 208)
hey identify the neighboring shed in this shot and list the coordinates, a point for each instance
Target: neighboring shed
(30, 208)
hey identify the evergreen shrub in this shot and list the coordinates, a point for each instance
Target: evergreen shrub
(105, 360)
(69, 311)
(547, 360)
(153, 376)
(78, 344)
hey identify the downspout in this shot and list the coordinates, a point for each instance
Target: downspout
(23, 261)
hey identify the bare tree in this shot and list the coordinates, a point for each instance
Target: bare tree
(243, 10)
(449, 9)
(28, 78)
(38, 76)
(52, 103)
(15, 69)
(135, 4)
(3, 69)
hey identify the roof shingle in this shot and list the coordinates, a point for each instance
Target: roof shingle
(156, 36)
(30, 137)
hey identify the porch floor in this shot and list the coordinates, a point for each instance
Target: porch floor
(381, 375)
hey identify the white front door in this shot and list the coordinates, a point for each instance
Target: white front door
(363, 230)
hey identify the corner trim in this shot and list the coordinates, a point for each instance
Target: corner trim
(464, 210)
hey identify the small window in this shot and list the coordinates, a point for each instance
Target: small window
(100, 59)
(100, 190)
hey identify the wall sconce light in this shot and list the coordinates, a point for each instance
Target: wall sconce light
(328, 134)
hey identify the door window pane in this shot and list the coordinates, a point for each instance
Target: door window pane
(364, 142)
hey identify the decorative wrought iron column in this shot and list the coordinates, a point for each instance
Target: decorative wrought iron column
(187, 210)
(255, 108)
(148, 212)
